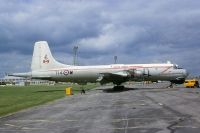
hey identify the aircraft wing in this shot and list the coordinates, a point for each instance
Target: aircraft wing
(115, 77)
(29, 75)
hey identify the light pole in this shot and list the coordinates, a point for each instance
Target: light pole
(75, 55)
(115, 59)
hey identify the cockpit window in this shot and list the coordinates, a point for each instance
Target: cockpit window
(177, 67)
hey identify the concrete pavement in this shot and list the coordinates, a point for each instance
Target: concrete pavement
(132, 110)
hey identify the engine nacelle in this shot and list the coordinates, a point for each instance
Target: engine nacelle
(139, 73)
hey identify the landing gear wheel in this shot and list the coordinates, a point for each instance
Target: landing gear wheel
(171, 85)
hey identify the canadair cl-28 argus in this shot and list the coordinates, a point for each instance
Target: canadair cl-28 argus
(45, 67)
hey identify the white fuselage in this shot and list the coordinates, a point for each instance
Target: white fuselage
(92, 73)
(44, 66)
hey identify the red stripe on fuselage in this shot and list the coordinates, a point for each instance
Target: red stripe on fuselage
(117, 67)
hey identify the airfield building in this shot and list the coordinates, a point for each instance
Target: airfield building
(11, 80)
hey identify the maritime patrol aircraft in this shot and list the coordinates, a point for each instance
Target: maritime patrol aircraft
(45, 67)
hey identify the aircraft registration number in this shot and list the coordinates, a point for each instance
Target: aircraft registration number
(64, 72)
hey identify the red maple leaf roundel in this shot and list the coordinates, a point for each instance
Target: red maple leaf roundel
(46, 60)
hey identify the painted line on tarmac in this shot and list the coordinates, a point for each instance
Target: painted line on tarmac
(31, 128)
(42, 120)
(186, 126)
(122, 128)
(11, 125)
(30, 120)
(149, 118)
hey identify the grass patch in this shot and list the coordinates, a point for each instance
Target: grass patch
(15, 98)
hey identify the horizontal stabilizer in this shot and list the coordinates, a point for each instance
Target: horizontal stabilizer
(24, 75)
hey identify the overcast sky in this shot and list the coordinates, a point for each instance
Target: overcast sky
(137, 31)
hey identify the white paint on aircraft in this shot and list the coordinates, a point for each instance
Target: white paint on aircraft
(44, 66)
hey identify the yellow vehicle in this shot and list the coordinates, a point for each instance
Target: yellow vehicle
(193, 83)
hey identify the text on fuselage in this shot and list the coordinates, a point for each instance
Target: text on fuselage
(64, 72)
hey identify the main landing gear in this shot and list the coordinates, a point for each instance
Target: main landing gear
(171, 85)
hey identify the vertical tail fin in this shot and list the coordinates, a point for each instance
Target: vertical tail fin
(42, 58)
